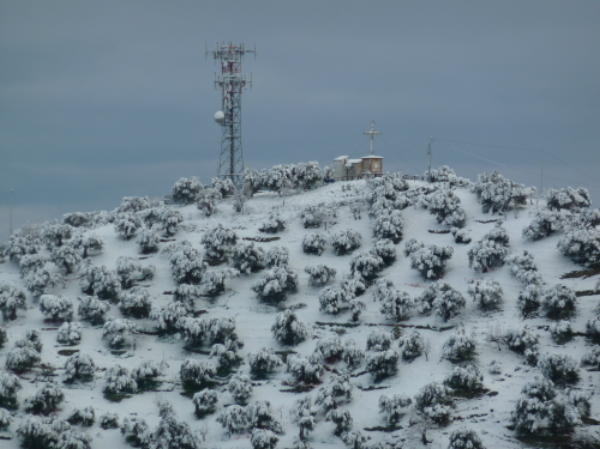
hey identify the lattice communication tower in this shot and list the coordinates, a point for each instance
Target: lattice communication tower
(231, 82)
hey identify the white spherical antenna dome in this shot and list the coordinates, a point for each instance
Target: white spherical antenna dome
(219, 117)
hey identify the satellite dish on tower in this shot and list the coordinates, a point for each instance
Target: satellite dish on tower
(220, 117)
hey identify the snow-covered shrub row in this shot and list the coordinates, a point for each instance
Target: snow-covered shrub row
(431, 261)
(258, 416)
(50, 433)
(79, 368)
(582, 246)
(546, 223)
(276, 284)
(100, 281)
(442, 299)
(382, 364)
(389, 224)
(305, 370)
(127, 226)
(11, 299)
(92, 310)
(344, 242)
(560, 369)
(465, 439)
(445, 205)
(465, 381)
(277, 256)
(56, 308)
(187, 264)
(447, 175)
(301, 176)
(559, 302)
(263, 363)
(523, 342)
(523, 268)
(486, 293)
(25, 354)
(118, 333)
(162, 221)
(147, 373)
(69, 334)
(288, 329)
(135, 204)
(218, 242)
(434, 402)
(248, 258)
(9, 385)
(490, 252)
(411, 346)
(314, 243)
(186, 190)
(459, 348)
(320, 275)
(498, 194)
(569, 198)
(542, 411)
(273, 224)
(45, 400)
(198, 332)
(169, 318)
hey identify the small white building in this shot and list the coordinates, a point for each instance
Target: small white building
(345, 168)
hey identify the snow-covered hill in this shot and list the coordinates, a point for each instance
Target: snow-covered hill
(440, 318)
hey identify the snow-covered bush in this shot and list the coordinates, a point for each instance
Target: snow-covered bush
(148, 240)
(205, 403)
(498, 194)
(465, 439)
(560, 369)
(465, 381)
(431, 261)
(445, 205)
(9, 385)
(25, 354)
(226, 357)
(352, 355)
(523, 268)
(314, 243)
(109, 421)
(305, 370)
(277, 256)
(412, 346)
(459, 348)
(89, 246)
(263, 439)
(344, 242)
(195, 375)
(530, 299)
(3, 337)
(396, 305)
(486, 293)
(207, 202)
(100, 281)
(136, 303)
(288, 329)
(590, 359)
(366, 266)
(127, 226)
(582, 246)
(559, 302)
(92, 310)
(79, 368)
(263, 363)
(320, 275)
(234, 419)
(261, 416)
(569, 198)
(394, 407)
(276, 284)
(273, 224)
(461, 236)
(441, 298)
(146, 374)
(213, 283)
(224, 186)
(342, 419)
(411, 246)
(545, 223)
(240, 388)
(523, 342)
(248, 258)
(56, 308)
(118, 333)
(78, 219)
(130, 272)
(45, 400)
(5, 420)
(186, 190)
(561, 331)
(66, 257)
(118, 383)
(490, 252)
(354, 285)
(592, 328)
(337, 392)
(134, 204)
(82, 416)
(382, 364)
(187, 266)
(40, 280)
(56, 235)
(48, 433)
(434, 402)
(379, 341)
(218, 243)
(169, 221)
(541, 411)
(335, 299)
(69, 334)
(11, 299)
(445, 174)
(136, 432)
(385, 249)
(170, 433)
(313, 216)
(389, 225)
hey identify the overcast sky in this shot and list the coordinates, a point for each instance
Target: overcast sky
(102, 99)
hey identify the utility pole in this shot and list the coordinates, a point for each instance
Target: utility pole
(11, 200)
(429, 148)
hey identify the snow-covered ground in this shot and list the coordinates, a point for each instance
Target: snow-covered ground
(504, 372)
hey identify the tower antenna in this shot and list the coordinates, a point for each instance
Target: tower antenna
(429, 145)
(372, 132)
(231, 82)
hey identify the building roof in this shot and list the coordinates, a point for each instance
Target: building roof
(340, 158)
(372, 156)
